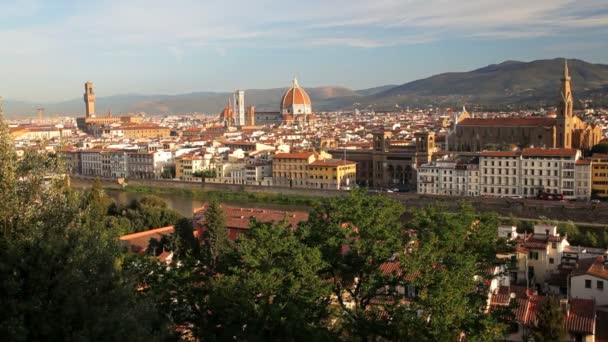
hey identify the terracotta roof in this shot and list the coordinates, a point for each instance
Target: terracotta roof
(295, 95)
(509, 122)
(138, 242)
(581, 317)
(583, 162)
(499, 154)
(549, 152)
(332, 163)
(238, 218)
(296, 155)
(593, 267)
(394, 268)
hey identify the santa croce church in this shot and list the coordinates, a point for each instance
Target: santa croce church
(563, 131)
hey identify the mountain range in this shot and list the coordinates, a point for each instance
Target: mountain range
(510, 82)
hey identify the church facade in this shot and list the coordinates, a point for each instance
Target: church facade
(564, 131)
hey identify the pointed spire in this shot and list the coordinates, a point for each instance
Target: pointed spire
(566, 71)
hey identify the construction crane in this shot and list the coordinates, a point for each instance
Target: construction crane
(40, 112)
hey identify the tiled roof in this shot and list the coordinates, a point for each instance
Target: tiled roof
(139, 241)
(332, 163)
(581, 317)
(593, 267)
(509, 122)
(499, 154)
(238, 218)
(549, 152)
(297, 155)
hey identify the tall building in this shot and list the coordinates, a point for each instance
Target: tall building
(239, 107)
(89, 100)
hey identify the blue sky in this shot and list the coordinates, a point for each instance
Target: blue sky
(50, 48)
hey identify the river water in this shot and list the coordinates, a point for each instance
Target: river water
(183, 205)
(186, 205)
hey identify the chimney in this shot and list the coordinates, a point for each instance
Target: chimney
(564, 306)
(547, 234)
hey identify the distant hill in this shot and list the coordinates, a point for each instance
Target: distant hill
(510, 82)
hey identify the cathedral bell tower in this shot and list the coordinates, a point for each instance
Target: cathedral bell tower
(564, 114)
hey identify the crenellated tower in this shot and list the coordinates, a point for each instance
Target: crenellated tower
(89, 100)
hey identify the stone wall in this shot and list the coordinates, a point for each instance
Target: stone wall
(586, 212)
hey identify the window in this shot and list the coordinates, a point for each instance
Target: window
(554, 245)
(587, 283)
(551, 260)
(533, 255)
(600, 284)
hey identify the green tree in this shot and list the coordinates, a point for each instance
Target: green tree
(550, 322)
(568, 228)
(59, 279)
(356, 235)
(272, 291)
(215, 235)
(448, 268)
(600, 148)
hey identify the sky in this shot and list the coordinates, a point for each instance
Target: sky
(48, 49)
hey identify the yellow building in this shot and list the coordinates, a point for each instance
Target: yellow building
(291, 169)
(144, 131)
(332, 174)
(312, 170)
(188, 164)
(599, 175)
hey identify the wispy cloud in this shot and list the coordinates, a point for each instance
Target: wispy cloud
(61, 33)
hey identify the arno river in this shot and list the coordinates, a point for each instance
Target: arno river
(186, 205)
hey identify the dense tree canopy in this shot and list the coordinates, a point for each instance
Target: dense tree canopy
(60, 276)
(600, 148)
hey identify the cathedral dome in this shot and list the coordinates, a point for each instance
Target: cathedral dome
(296, 100)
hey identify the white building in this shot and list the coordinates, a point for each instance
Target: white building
(533, 171)
(448, 178)
(499, 173)
(590, 280)
(538, 254)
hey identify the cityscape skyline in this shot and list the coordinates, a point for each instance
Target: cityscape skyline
(154, 48)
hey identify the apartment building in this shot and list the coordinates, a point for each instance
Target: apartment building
(332, 174)
(499, 173)
(533, 171)
(599, 175)
(549, 170)
(449, 178)
(123, 163)
(583, 179)
(188, 164)
(291, 169)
